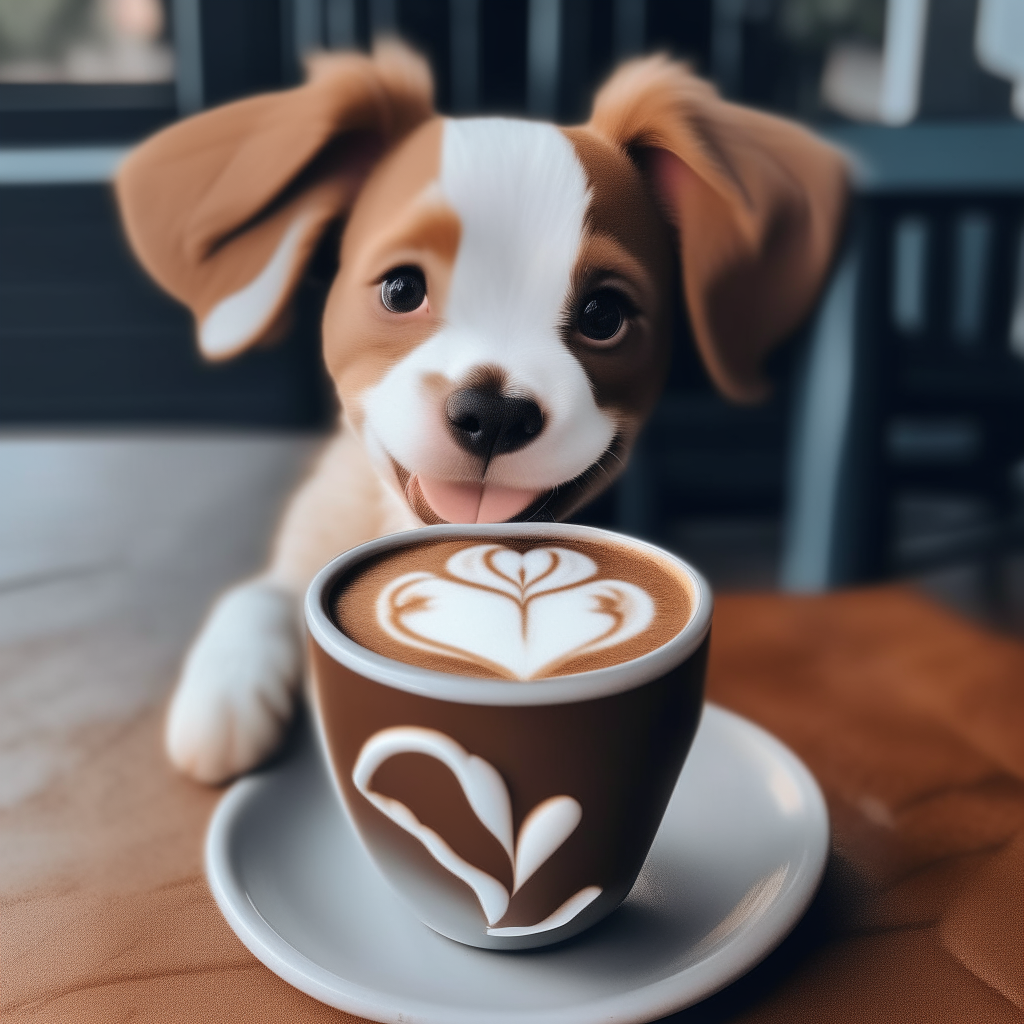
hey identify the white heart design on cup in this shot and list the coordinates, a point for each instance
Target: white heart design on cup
(542, 832)
(517, 614)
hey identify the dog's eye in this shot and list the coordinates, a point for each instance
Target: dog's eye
(403, 289)
(601, 315)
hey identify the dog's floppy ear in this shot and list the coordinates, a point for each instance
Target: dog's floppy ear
(757, 202)
(224, 209)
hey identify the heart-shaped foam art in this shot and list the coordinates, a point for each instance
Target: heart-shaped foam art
(519, 615)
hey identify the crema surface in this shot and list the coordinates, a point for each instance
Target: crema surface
(513, 608)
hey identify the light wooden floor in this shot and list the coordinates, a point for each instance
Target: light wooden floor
(112, 547)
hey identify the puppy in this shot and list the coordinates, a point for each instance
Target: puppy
(499, 327)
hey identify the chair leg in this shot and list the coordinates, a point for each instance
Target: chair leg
(819, 449)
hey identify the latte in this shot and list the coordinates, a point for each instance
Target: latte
(508, 814)
(512, 607)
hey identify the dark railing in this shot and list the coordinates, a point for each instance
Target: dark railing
(540, 57)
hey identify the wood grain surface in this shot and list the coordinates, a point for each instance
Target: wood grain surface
(111, 548)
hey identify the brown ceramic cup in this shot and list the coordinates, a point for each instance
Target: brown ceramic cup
(507, 814)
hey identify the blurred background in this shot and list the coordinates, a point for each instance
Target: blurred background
(893, 445)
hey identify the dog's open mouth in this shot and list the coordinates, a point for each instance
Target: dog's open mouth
(438, 501)
(443, 501)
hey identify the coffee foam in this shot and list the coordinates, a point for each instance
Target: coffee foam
(513, 608)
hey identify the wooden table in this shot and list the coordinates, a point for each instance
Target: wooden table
(111, 548)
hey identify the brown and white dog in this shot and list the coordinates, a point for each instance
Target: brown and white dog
(499, 328)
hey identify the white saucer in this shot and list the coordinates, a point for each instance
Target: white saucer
(738, 858)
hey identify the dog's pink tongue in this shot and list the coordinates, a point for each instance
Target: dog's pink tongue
(455, 503)
(501, 503)
(473, 503)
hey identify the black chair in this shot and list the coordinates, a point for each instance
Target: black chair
(911, 384)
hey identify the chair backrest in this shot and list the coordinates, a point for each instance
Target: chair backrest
(912, 381)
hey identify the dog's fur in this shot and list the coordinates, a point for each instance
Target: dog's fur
(513, 224)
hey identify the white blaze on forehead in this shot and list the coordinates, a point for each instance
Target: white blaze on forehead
(521, 196)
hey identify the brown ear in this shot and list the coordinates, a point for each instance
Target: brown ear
(757, 201)
(224, 209)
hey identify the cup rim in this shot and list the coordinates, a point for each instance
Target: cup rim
(567, 689)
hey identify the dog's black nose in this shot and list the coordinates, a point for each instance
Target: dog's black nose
(487, 423)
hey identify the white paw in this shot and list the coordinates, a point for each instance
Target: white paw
(238, 684)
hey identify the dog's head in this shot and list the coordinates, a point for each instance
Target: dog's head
(500, 324)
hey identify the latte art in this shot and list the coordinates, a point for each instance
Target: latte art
(512, 610)
(518, 614)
